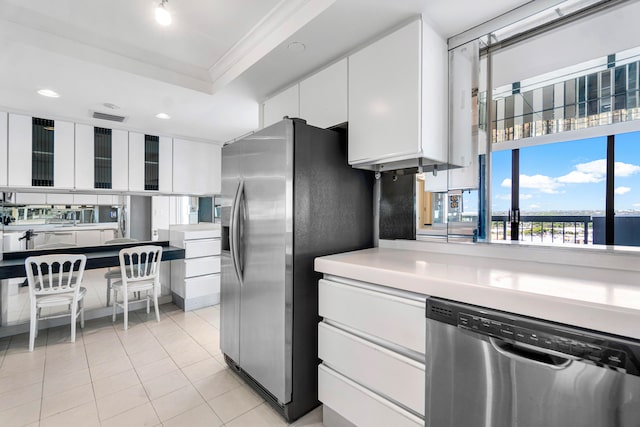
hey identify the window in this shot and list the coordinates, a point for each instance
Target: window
(151, 163)
(42, 152)
(102, 157)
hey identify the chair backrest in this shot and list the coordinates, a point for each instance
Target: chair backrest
(120, 240)
(140, 263)
(53, 274)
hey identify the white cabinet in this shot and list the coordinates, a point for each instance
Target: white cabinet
(286, 103)
(119, 160)
(85, 158)
(20, 137)
(136, 161)
(195, 280)
(3, 148)
(196, 167)
(372, 359)
(323, 96)
(63, 152)
(19, 151)
(398, 90)
(165, 167)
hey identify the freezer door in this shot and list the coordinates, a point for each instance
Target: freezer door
(265, 258)
(232, 160)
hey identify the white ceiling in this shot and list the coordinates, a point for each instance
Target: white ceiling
(208, 70)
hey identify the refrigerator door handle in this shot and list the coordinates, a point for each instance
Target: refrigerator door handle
(233, 240)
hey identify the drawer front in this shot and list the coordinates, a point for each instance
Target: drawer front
(391, 318)
(200, 286)
(201, 266)
(360, 406)
(201, 248)
(381, 370)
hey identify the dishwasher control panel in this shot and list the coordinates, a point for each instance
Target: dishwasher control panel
(570, 346)
(598, 348)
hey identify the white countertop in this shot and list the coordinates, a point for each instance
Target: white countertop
(595, 298)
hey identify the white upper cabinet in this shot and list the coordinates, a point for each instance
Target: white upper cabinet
(398, 90)
(286, 103)
(84, 157)
(323, 96)
(136, 161)
(63, 142)
(20, 153)
(3, 148)
(196, 167)
(86, 161)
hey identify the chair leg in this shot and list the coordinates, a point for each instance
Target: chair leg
(155, 303)
(125, 300)
(82, 313)
(115, 304)
(74, 319)
(33, 327)
(147, 298)
(108, 292)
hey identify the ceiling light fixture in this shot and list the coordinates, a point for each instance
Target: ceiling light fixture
(163, 17)
(296, 47)
(49, 93)
(163, 116)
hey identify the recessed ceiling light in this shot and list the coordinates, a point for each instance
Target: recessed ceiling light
(111, 106)
(163, 116)
(296, 47)
(163, 17)
(49, 93)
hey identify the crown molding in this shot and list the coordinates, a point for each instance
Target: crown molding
(284, 20)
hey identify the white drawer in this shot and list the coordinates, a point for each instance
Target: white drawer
(195, 287)
(201, 266)
(360, 406)
(381, 370)
(201, 248)
(391, 318)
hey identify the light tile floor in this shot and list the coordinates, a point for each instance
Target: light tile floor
(167, 373)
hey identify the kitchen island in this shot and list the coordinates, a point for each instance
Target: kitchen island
(373, 307)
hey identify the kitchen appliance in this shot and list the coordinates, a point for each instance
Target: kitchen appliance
(489, 368)
(288, 196)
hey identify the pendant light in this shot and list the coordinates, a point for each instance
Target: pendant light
(163, 17)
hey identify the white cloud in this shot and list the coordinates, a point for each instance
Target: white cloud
(577, 177)
(526, 196)
(636, 205)
(502, 197)
(534, 206)
(506, 183)
(622, 190)
(543, 183)
(626, 169)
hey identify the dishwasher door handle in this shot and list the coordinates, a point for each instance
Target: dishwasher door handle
(529, 354)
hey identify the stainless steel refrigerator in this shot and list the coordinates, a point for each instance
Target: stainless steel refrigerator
(288, 196)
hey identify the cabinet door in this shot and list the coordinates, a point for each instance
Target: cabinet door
(63, 148)
(119, 160)
(286, 103)
(323, 96)
(19, 152)
(3, 148)
(85, 164)
(384, 98)
(165, 171)
(136, 161)
(196, 167)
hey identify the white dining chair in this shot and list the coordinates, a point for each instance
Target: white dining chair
(54, 280)
(113, 273)
(140, 272)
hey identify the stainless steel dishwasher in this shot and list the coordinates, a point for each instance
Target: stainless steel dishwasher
(494, 369)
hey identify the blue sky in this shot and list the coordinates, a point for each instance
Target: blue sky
(569, 176)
